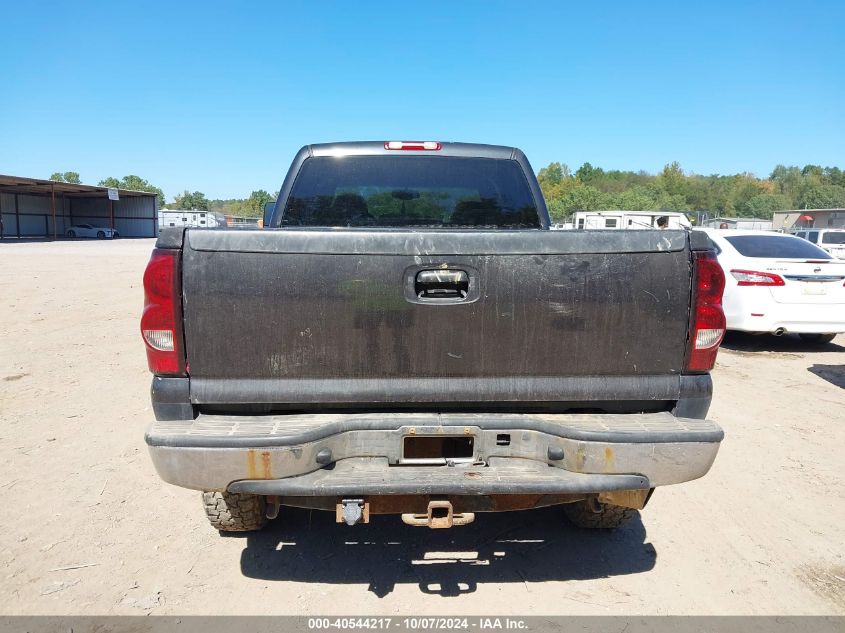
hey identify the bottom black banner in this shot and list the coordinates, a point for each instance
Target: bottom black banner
(400, 624)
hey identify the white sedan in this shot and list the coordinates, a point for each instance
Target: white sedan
(88, 230)
(779, 283)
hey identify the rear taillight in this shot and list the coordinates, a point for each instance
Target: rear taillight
(162, 317)
(413, 145)
(707, 325)
(755, 278)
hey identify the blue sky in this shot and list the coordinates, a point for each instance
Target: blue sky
(218, 97)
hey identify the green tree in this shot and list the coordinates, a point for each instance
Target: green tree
(672, 179)
(557, 210)
(109, 182)
(822, 197)
(69, 176)
(643, 198)
(188, 200)
(555, 181)
(743, 194)
(587, 173)
(233, 206)
(789, 181)
(833, 176)
(553, 174)
(584, 198)
(764, 204)
(812, 170)
(133, 183)
(697, 193)
(256, 202)
(745, 187)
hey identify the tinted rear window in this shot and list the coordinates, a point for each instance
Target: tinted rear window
(394, 191)
(833, 238)
(776, 246)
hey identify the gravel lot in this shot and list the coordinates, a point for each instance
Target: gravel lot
(88, 528)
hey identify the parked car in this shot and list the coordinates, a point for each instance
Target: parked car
(415, 340)
(778, 283)
(830, 240)
(88, 230)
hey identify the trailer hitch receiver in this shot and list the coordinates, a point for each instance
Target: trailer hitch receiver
(439, 516)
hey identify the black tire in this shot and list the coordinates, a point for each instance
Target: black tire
(71, 233)
(590, 514)
(818, 339)
(115, 235)
(101, 235)
(233, 512)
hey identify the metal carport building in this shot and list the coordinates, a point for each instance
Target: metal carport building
(31, 207)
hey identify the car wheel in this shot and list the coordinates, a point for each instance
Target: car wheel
(818, 339)
(115, 234)
(71, 233)
(101, 235)
(594, 515)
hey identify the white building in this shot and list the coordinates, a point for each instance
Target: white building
(809, 219)
(746, 224)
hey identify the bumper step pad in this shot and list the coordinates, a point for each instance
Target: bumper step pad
(374, 476)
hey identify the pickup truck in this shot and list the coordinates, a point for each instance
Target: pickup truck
(407, 336)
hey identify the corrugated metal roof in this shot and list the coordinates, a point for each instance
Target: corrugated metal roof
(22, 184)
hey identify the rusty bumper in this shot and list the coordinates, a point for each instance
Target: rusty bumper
(305, 454)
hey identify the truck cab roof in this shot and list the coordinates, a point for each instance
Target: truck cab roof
(369, 148)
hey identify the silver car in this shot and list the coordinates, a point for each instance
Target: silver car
(88, 230)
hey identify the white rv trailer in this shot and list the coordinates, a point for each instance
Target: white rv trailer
(628, 219)
(190, 217)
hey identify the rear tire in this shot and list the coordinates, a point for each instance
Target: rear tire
(233, 512)
(818, 339)
(590, 514)
(71, 233)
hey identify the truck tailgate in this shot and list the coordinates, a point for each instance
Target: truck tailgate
(336, 316)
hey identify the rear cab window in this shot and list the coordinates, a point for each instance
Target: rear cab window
(837, 237)
(776, 246)
(389, 191)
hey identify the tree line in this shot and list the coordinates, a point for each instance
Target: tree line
(595, 189)
(251, 207)
(738, 195)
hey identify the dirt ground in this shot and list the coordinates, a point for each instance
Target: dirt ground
(88, 527)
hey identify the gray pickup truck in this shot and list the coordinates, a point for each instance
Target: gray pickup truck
(407, 336)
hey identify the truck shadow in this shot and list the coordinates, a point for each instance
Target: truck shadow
(743, 342)
(834, 374)
(512, 547)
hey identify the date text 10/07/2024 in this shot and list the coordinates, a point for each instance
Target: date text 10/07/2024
(418, 623)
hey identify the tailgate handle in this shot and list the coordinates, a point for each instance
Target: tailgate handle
(442, 284)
